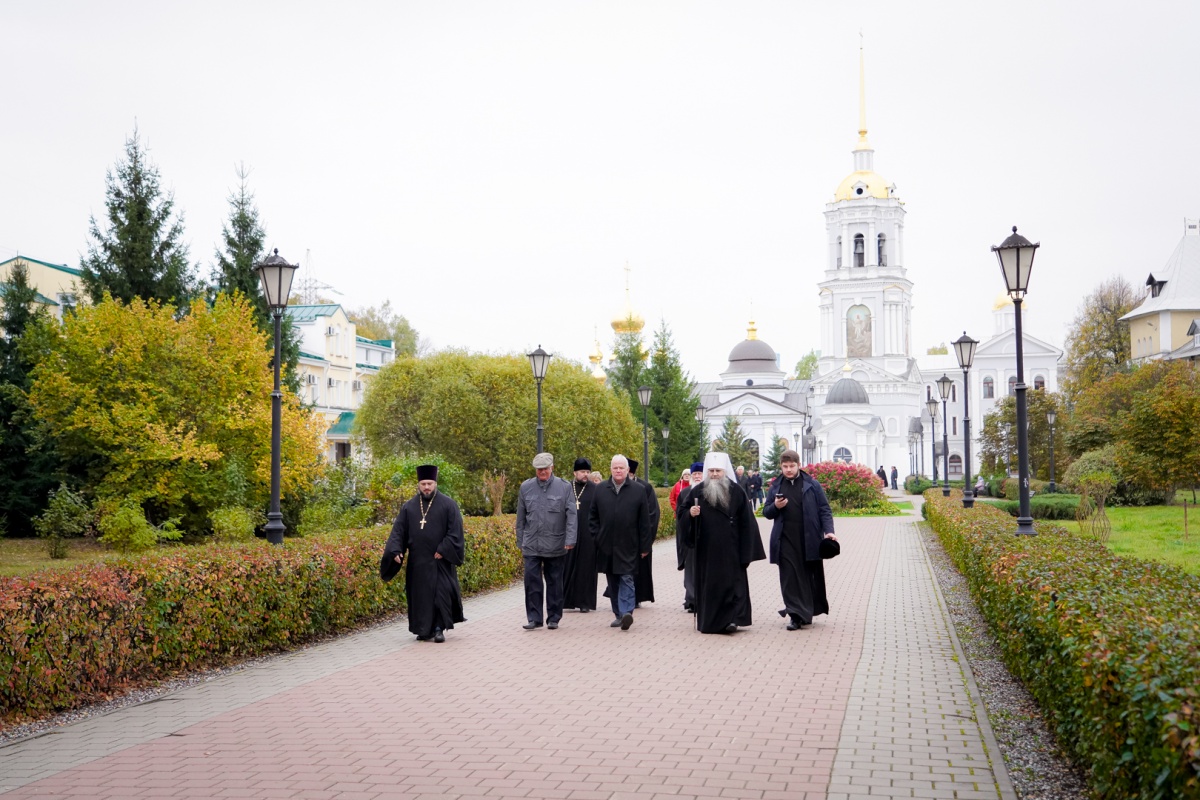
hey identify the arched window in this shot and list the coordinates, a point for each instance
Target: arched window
(842, 454)
(881, 250)
(860, 250)
(839, 253)
(954, 425)
(954, 393)
(1039, 382)
(928, 393)
(1012, 386)
(989, 388)
(750, 447)
(956, 466)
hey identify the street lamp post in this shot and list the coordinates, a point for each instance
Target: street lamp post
(944, 383)
(666, 469)
(932, 407)
(964, 349)
(276, 274)
(1050, 415)
(1015, 255)
(701, 411)
(539, 359)
(644, 397)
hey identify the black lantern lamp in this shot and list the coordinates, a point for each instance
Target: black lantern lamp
(1015, 255)
(666, 469)
(644, 399)
(701, 411)
(1050, 417)
(275, 274)
(931, 406)
(964, 349)
(944, 383)
(539, 359)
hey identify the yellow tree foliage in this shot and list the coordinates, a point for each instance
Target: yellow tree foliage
(171, 411)
(480, 412)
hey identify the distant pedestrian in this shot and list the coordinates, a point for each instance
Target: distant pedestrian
(685, 556)
(882, 476)
(579, 582)
(596, 477)
(895, 476)
(546, 531)
(620, 524)
(803, 520)
(685, 480)
(429, 528)
(756, 489)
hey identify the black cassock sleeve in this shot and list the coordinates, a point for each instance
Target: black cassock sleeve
(453, 544)
(397, 543)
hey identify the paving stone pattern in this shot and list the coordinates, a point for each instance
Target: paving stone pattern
(867, 702)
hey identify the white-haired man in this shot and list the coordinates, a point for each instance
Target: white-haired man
(619, 521)
(719, 525)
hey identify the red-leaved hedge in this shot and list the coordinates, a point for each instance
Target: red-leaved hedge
(1109, 646)
(71, 636)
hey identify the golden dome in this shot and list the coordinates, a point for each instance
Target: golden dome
(862, 184)
(1004, 301)
(628, 321)
(597, 355)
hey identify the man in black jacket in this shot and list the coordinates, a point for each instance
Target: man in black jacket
(619, 522)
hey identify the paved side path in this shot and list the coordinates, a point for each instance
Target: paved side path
(583, 712)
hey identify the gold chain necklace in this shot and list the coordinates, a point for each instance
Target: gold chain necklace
(578, 495)
(425, 510)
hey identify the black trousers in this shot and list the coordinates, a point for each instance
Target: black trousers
(547, 570)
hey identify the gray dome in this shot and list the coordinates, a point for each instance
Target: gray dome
(848, 390)
(752, 355)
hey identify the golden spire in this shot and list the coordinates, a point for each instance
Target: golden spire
(752, 332)
(862, 98)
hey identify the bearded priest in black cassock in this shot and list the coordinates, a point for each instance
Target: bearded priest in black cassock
(719, 525)
(429, 528)
(579, 578)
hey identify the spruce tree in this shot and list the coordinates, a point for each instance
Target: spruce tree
(27, 465)
(731, 441)
(770, 466)
(140, 254)
(672, 405)
(243, 238)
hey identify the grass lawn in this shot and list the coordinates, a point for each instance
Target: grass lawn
(904, 505)
(22, 556)
(1154, 533)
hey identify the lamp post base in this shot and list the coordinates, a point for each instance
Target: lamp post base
(1025, 526)
(968, 499)
(274, 528)
(1051, 488)
(946, 490)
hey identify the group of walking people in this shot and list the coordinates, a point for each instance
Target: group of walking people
(570, 532)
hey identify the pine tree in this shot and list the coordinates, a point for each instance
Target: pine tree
(141, 254)
(27, 466)
(672, 405)
(244, 240)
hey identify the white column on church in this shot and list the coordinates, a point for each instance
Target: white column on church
(847, 246)
(872, 248)
(899, 244)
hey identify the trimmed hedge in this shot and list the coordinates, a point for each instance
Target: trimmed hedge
(71, 636)
(1108, 646)
(1043, 506)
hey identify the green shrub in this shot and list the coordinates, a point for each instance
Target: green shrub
(69, 636)
(126, 529)
(917, 484)
(1044, 506)
(332, 516)
(389, 482)
(1012, 488)
(1106, 645)
(1126, 493)
(233, 523)
(67, 515)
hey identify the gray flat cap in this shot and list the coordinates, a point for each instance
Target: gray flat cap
(543, 460)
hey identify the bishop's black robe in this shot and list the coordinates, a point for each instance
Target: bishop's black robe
(579, 579)
(795, 544)
(726, 542)
(430, 584)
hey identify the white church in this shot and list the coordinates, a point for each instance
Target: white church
(867, 403)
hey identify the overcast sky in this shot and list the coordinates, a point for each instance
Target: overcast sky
(491, 167)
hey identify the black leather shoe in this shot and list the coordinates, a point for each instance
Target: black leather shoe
(423, 638)
(552, 626)
(793, 626)
(439, 636)
(731, 628)
(616, 623)
(626, 621)
(533, 626)
(585, 611)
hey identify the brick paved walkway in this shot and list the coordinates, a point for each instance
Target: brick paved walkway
(868, 702)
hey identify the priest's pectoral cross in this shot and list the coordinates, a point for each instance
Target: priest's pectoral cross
(577, 504)
(422, 524)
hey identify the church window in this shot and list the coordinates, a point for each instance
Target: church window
(860, 252)
(954, 393)
(882, 250)
(842, 454)
(839, 253)
(954, 426)
(749, 381)
(1039, 383)
(955, 466)
(989, 388)
(928, 393)
(1012, 386)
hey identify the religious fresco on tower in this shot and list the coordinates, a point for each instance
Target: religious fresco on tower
(858, 332)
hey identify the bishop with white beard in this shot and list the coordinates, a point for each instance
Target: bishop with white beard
(719, 526)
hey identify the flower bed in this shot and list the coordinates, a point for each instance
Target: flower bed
(1109, 646)
(852, 489)
(71, 636)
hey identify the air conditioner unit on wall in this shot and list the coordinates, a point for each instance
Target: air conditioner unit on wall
(358, 386)
(330, 383)
(330, 331)
(310, 379)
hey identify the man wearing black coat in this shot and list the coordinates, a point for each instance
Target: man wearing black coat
(644, 581)
(619, 522)
(797, 504)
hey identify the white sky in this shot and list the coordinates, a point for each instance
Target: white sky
(490, 167)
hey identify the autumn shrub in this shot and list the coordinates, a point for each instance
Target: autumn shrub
(70, 636)
(1125, 492)
(124, 527)
(234, 523)
(1012, 488)
(1044, 506)
(330, 515)
(851, 487)
(1109, 646)
(66, 516)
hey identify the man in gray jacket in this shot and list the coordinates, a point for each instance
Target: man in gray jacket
(546, 530)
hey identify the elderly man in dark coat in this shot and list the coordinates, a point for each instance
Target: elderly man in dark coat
(719, 524)
(619, 522)
(429, 528)
(803, 518)
(579, 588)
